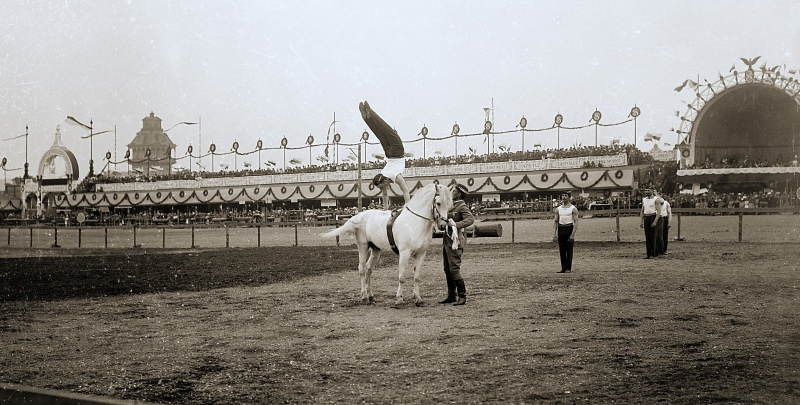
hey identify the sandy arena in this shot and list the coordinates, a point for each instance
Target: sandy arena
(713, 322)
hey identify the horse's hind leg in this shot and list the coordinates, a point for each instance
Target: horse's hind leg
(417, 274)
(372, 264)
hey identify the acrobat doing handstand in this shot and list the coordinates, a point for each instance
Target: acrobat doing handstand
(392, 148)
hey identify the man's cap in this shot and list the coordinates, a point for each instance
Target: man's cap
(379, 179)
(462, 189)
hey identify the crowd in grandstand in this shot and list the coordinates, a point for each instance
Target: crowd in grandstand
(737, 161)
(635, 156)
(760, 199)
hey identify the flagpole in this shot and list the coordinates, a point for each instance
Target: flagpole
(200, 142)
(25, 176)
(91, 156)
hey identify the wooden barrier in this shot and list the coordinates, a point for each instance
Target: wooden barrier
(47, 236)
(14, 394)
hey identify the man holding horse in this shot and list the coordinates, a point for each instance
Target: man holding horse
(394, 150)
(454, 240)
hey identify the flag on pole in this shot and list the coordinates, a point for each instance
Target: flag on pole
(652, 137)
(16, 137)
(72, 121)
(247, 164)
(296, 161)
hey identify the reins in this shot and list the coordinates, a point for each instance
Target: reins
(433, 208)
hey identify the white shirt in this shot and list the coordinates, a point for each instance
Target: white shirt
(649, 205)
(394, 166)
(565, 214)
(666, 212)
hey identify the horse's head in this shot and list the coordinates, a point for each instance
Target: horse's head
(442, 203)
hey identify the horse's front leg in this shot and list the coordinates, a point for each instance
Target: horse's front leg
(401, 278)
(372, 264)
(418, 259)
(364, 271)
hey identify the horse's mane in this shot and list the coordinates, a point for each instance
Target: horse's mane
(426, 194)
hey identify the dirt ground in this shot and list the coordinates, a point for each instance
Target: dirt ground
(710, 323)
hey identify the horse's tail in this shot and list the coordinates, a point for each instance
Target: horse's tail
(348, 228)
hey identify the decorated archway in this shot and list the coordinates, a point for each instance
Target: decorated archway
(747, 114)
(58, 169)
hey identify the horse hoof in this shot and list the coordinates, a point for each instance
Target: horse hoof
(371, 300)
(365, 301)
(420, 303)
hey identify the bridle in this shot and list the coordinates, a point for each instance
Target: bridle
(434, 212)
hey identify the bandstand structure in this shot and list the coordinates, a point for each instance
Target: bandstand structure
(740, 130)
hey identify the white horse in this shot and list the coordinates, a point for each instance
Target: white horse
(412, 232)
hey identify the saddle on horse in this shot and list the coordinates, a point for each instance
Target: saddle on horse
(389, 233)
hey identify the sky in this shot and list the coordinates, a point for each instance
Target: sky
(250, 70)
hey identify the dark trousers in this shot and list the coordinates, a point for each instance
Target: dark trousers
(452, 269)
(650, 235)
(390, 140)
(565, 246)
(659, 235)
(451, 259)
(665, 233)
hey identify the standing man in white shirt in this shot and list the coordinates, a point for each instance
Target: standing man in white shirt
(565, 227)
(650, 217)
(666, 217)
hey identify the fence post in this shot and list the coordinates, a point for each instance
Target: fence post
(31, 241)
(679, 226)
(134, 236)
(227, 238)
(295, 235)
(336, 225)
(618, 223)
(55, 235)
(106, 238)
(163, 237)
(513, 229)
(741, 214)
(9, 236)
(193, 246)
(79, 236)
(259, 235)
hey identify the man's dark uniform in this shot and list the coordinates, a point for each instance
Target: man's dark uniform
(463, 218)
